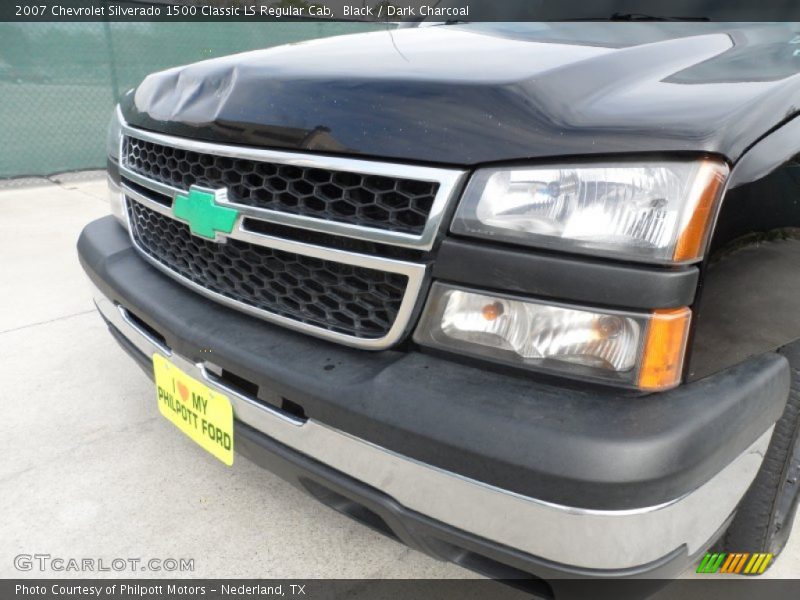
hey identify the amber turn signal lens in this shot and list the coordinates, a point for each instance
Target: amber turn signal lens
(705, 193)
(491, 311)
(664, 349)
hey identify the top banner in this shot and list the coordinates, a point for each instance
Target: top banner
(409, 12)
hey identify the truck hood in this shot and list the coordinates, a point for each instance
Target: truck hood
(480, 93)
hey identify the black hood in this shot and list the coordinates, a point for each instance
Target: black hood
(478, 93)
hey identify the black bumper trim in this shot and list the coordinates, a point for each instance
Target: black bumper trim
(566, 279)
(541, 440)
(380, 512)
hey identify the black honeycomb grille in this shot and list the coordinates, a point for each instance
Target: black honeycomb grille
(347, 299)
(389, 203)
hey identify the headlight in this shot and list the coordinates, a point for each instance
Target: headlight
(635, 350)
(657, 211)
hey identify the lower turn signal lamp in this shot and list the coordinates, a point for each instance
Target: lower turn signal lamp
(664, 349)
(635, 350)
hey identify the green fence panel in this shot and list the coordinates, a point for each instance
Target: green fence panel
(59, 81)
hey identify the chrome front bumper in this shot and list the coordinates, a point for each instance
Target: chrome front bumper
(582, 538)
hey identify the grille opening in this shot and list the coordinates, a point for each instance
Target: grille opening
(238, 384)
(493, 569)
(145, 361)
(348, 507)
(293, 409)
(377, 201)
(152, 194)
(357, 301)
(249, 389)
(146, 328)
(331, 241)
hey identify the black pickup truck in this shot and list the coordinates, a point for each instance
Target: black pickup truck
(521, 296)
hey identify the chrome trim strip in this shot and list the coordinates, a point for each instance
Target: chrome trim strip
(237, 398)
(116, 201)
(118, 317)
(126, 316)
(416, 274)
(591, 539)
(155, 186)
(449, 181)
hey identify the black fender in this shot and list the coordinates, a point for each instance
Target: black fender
(748, 299)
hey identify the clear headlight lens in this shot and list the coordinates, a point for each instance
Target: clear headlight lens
(536, 331)
(636, 350)
(645, 211)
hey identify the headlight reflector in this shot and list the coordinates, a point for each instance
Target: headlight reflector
(604, 345)
(657, 211)
(537, 331)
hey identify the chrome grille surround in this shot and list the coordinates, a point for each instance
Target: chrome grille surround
(449, 181)
(372, 201)
(331, 295)
(146, 192)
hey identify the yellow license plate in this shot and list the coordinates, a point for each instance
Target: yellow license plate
(198, 411)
